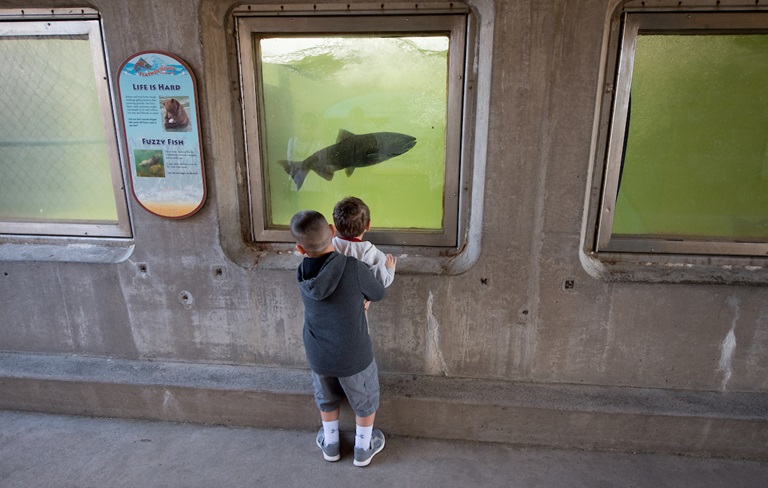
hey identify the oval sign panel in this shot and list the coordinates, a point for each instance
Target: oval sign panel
(158, 97)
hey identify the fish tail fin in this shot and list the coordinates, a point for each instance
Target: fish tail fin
(298, 171)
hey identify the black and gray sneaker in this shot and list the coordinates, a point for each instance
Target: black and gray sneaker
(363, 456)
(330, 452)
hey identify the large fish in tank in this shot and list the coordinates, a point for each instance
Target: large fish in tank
(350, 151)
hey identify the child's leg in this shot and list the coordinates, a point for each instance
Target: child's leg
(365, 421)
(328, 395)
(362, 391)
(330, 416)
(363, 431)
(368, 442)
(330, 426)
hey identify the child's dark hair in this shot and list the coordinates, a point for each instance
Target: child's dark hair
(311, 231)
(351, 217)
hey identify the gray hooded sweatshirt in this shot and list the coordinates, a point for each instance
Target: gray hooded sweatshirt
(334, 288)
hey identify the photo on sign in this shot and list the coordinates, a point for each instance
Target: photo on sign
(149, 163)
(174, 112)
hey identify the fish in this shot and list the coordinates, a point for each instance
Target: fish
(151, 161)
(349, 152)
(141, 64)
(152, 166)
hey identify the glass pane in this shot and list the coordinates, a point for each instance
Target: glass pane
(362, 116)
(696, 157)
(53, 155)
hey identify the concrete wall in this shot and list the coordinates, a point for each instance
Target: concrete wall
(508, 317)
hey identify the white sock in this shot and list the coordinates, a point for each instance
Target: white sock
(363, 437)
(331, 430)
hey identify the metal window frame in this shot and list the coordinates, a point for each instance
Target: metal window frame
(633, 23)
(451, 19)
(53, 22)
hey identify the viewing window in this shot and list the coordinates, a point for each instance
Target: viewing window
(687, 159)
(59, 166)
(362, 105)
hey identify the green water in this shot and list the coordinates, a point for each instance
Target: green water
(53, 156)
(697, 153)
(313, 88)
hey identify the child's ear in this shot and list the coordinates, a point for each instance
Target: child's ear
(368, 226)
(333, 230)
(300, 249)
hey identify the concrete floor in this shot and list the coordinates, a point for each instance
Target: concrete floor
(38, 450)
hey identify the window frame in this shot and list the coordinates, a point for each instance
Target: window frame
(632, 22)
(333, 21)
(41, 22)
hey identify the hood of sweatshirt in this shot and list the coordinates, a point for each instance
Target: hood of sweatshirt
(319, 286)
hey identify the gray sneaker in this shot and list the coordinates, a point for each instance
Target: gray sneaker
(363, 456)
(330, 452)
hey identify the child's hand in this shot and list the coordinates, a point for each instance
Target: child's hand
(366, 304)
(390, 262)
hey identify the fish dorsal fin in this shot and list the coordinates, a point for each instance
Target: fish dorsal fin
(343, 134)
(349, 171)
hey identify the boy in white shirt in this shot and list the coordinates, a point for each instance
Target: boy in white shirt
(352, 219)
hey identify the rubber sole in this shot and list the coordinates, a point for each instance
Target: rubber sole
(368, 461)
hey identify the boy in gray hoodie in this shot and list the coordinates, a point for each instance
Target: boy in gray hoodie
(334, 289)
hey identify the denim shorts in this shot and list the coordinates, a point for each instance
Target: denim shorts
(361, 390)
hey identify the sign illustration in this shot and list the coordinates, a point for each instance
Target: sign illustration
(158, 97)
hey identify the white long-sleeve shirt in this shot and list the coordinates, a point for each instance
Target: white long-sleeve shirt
(367, 253)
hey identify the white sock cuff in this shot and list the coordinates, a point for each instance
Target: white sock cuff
(363, 436)
(331, 431)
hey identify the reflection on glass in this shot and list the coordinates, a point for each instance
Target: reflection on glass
(53, 156)
(362, 116)
(696, 158)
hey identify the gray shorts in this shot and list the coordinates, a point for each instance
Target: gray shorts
(361, 390)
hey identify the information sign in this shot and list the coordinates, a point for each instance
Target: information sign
(158, 97)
